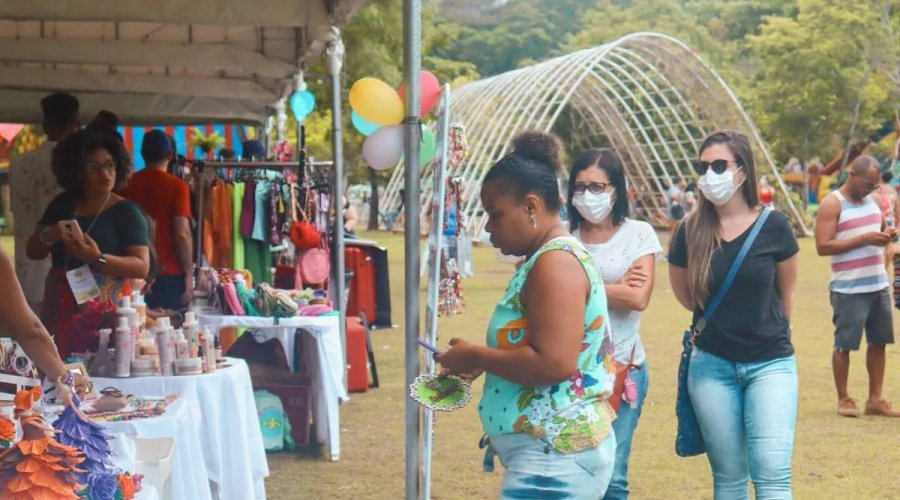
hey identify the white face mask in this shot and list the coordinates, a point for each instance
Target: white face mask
(718, 188)
(595, 208)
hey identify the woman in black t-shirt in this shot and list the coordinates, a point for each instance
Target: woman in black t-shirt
(743, 374)
(88, 225)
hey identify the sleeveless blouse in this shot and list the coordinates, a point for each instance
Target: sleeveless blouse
(572, 415)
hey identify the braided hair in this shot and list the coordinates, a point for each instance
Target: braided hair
(531, 168)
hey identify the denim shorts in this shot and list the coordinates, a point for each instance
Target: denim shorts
(534, 469)
(854, 312)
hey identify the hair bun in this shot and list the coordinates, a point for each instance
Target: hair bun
(540, 147)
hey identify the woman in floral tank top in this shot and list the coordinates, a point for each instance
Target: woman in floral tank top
(549, 351)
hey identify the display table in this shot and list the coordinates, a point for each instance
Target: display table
(189, 475)
(225, 415)
(323, 356)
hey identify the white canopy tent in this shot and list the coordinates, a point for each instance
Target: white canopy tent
(173, 61)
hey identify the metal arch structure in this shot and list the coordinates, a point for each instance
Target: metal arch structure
(647, 95)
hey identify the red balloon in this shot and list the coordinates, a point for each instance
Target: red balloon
(430, 89)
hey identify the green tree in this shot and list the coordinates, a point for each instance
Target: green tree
(818, 82)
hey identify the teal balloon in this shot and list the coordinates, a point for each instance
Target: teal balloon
(363, 126)
(310, 99)
(427, 148)
(302, 104)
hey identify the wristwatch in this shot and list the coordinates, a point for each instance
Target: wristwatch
(100, 263)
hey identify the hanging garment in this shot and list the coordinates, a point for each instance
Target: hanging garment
(258, 260)
(248, 209)
(237, 198)
(276, 214)
(261, 212)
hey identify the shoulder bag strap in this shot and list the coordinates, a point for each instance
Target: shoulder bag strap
(729, 279)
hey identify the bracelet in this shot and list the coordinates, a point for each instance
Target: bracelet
(42, 236)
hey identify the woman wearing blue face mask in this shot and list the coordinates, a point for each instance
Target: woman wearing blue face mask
(625, 252)
(742, 378)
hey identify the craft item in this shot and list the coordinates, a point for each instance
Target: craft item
(209, 350)
(101, 365)
(138, 408)
(182, 349)
(441, 393)
(142, 367)
(38, 467)
(126, 311)
(7, 432)
(112, 400)
(137, 302)
(188, 366)
(165, 354)
(124, 348)
(88, 437)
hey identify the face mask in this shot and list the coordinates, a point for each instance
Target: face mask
(718, 188)
(593, 207)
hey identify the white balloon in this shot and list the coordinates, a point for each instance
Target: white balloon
(384, 148)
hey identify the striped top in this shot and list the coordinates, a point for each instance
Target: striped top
(860, 270)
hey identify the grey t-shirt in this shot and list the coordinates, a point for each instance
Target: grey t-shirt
(633, 240)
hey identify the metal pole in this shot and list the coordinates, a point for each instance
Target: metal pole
(412, 63)
(334, 60)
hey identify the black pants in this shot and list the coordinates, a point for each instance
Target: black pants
(166, 293)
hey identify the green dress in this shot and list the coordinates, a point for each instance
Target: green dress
(572, 415)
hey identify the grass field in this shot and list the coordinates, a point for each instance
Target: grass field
(834, 457)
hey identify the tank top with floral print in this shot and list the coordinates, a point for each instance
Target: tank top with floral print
(572, 415)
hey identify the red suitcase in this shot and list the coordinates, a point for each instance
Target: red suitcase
(357, 356)
(362, 286)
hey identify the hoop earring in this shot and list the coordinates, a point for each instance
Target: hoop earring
(533, 220)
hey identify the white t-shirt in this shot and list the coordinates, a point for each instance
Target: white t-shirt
(633, 240)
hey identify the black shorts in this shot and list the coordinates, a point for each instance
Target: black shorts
(854, 312)
(166, 293)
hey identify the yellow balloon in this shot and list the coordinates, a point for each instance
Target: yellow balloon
(376, 101)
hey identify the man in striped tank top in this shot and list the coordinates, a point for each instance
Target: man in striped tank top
(850, 228)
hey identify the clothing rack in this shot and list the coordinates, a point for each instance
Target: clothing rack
(200, 166)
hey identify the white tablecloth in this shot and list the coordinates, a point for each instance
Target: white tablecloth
(228, 424)
(189, 476)
(323, 355)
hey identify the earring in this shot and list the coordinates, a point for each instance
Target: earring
(533, 220)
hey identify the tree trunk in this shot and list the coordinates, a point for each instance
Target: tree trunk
(373, 200)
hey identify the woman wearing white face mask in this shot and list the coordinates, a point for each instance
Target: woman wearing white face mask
(742, 378)
(624, 252)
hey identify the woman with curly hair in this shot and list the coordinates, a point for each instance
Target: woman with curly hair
(89, 225)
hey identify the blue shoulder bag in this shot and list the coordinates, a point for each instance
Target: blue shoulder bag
(689, 440)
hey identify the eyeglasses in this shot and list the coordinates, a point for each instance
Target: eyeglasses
(109, 166)
(718, 166)
(594, 187)
(872, 187)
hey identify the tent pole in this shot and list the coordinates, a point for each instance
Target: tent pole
(334, 59)
(412, 63)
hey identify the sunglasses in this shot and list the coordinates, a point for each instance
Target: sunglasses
(717, 166)
(594, 187)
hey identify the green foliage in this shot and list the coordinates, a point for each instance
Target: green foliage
(814, 69)
(799, 66)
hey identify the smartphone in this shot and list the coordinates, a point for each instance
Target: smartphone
(72, 229)
(430, 347)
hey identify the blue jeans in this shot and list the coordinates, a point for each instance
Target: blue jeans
(536, 470)
(747, 413)
(624, 426)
